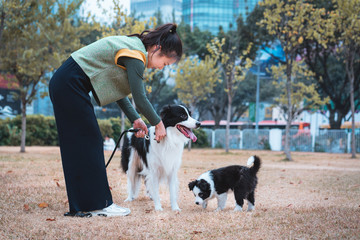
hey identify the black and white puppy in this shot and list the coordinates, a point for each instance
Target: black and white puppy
(157, 162)
(218, 182)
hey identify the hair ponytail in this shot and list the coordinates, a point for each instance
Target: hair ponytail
(164, 36)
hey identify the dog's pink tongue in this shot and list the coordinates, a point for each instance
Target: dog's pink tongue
(192, 136)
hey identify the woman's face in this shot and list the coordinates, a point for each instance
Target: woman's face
(158, 61)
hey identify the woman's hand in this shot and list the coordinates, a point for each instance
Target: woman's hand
(160, 131)
(139, 123)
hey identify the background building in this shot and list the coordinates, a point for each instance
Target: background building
(145, 9)
(245, 7)
(210, 14)
(9, 97)
(41, 104)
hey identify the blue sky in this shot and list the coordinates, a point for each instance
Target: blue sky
(92, 7)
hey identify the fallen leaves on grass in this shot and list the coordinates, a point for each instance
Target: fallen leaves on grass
(57, 182)
(43, 205)
(26, 207)
(51, 219)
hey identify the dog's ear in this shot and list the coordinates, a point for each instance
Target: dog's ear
(164, 110)
(204, 185)
(192, 185)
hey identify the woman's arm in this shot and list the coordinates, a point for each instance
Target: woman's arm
(135, 70)
(128, 109)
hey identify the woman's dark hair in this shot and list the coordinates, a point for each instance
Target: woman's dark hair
(164, 36)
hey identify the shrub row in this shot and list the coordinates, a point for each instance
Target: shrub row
(41, 131)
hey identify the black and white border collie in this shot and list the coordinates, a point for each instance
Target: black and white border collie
(157, 162)
(217, 183)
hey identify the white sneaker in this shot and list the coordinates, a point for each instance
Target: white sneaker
(112, 211)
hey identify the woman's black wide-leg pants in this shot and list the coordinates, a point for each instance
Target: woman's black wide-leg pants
(81, 143)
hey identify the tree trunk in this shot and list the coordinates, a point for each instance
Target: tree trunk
(23, 126)
(335, 124)
(289, 113)
(228, 119)
(2, 22)
(353, 143)
(350, 72)
(217, 119)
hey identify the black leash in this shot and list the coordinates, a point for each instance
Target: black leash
(118, 142)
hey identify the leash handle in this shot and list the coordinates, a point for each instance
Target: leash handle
(118, 142)
(136, 130)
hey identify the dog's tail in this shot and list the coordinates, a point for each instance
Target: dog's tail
(125, 154)
(256, 162)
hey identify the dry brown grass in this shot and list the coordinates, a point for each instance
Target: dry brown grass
(314, 197)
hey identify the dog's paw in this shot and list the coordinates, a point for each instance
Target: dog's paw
(149, 195)
(129, 199)
(176, 209)
(218, 210)
(238, 208)
(159, 208)
(251, 207)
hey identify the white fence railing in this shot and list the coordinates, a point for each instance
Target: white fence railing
(332, 141)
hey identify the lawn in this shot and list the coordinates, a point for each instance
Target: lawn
(317, 196)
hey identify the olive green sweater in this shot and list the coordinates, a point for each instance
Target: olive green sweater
(115, 66)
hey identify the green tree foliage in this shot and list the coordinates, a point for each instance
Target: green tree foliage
(116, 124)
(291, 22)
(122, 24)
(346, 18)
(194, 79)
(194, 42)
(303, 96)
(246, 94)
(215, 104)
(160, 92)
(202, 139)
(159, 18)
(329, 67)
(234, 65)
(105, 127)
(36, 37)
(257, 34)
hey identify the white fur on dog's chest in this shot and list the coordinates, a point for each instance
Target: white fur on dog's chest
(160, 161)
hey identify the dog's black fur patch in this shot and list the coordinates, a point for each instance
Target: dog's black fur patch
(141, 145)
(172, 115)
(203, 185)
